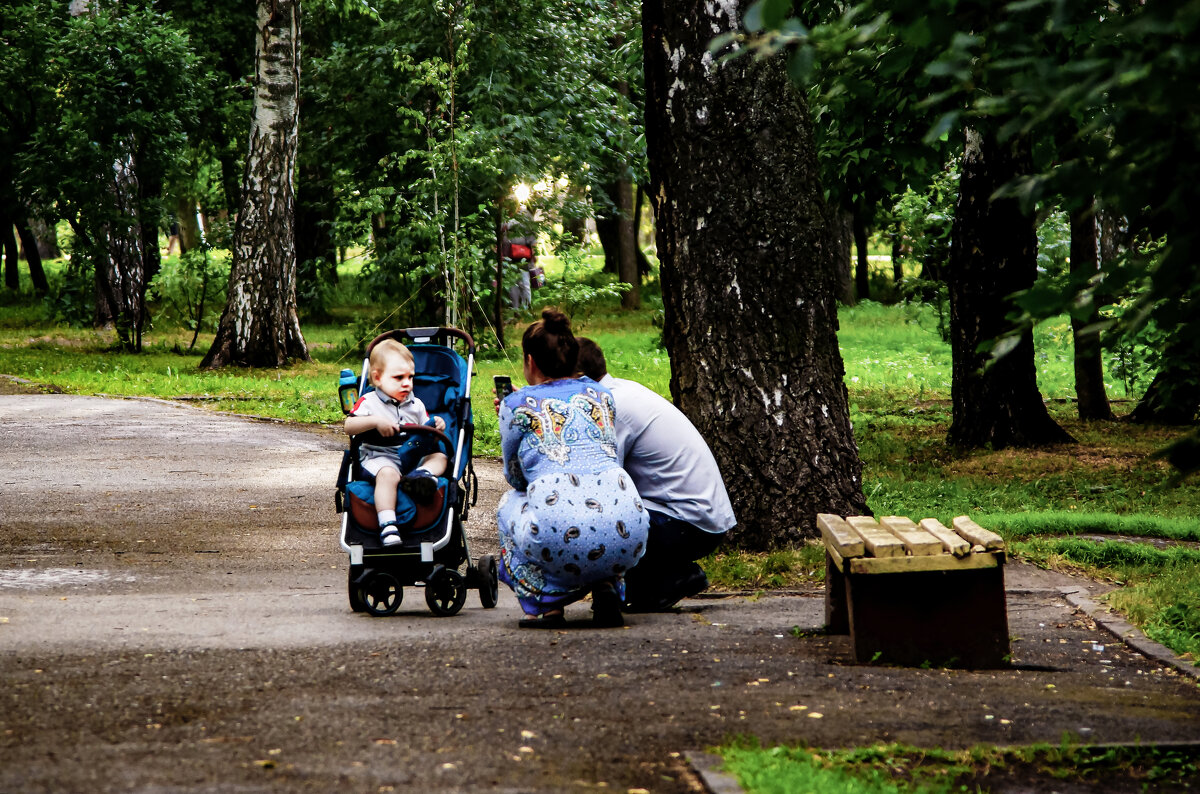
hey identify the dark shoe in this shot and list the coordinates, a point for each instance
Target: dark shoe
(421, 487)
(691, 584)
(547, 620)
(606, 607)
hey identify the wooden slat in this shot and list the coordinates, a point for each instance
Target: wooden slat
(936, 562)
(950, 541)
(978, 536)
(877, 540)
(839, 537)
(917, 541)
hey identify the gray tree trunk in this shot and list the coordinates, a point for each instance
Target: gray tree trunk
(993, 254)
(748, 275)
(1092, 400)
(260, 325)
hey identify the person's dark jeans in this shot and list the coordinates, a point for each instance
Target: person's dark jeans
(668, 569)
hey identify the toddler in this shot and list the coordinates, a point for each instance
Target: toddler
(390, 405)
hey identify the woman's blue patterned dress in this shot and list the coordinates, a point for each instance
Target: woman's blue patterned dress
(574, 518)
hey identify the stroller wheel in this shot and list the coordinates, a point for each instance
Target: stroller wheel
(381, 593)
(489, 581)
(445, 592)
(354, 588)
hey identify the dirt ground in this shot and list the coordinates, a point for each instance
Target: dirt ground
(173, 617)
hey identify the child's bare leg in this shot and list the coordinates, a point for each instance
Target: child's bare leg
(386, 482)
(435, 464)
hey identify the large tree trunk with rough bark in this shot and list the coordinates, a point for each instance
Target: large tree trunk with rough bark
(993, 254)
(1092, 399)
(260, 326)
(748, 276)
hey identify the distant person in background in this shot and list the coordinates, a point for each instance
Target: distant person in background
(679, 482)
(520, 248)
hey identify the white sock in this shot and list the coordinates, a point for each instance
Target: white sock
(386, 516)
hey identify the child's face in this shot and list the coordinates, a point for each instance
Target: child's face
(395, 379)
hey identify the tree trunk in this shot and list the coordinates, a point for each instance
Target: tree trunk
(12, 276)
(1089, 367)
(748, 275)
(627, 245)
(608, 231)
(33, 256)
(190, 233)
(862, 273)
(259, 326)
(842, 237)
(119, 259)
(47, 239)
(993, 254)
(897, 261)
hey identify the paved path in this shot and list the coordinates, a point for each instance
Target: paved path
(173, 617)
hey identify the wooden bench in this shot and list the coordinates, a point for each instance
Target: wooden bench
(915, 594)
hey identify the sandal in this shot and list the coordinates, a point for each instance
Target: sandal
(546, 620)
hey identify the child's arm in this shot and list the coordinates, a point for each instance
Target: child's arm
(361, 424)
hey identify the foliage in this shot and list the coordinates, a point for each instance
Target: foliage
(409, 107)
(578, 297)
(900, 768)
(190, 290)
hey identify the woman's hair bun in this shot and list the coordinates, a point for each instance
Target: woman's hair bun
(555, 321)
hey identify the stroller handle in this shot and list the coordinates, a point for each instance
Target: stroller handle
(375, 438)
(444, 334)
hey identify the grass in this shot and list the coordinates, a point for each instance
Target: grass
(898, 379)
(899, 769)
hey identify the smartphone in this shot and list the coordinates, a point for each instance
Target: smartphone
(503, 385)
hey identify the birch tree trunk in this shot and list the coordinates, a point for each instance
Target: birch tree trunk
(1092, 399)
(993, 254)
(748, 274)
(260, 326)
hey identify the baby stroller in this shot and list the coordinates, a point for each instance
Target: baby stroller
(433, 551)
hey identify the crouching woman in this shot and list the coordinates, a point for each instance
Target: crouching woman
(574, 522)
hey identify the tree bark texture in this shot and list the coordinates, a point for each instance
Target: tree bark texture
(748, 275)
(1092, 400)
(842, 229)
(993, 254)
(120, 258)
(260, 326)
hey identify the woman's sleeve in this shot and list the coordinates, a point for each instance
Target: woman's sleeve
(511, 434)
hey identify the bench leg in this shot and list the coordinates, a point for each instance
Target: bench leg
(939, 618)
(837, 610)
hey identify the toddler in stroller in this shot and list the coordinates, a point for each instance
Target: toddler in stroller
(414, 535)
